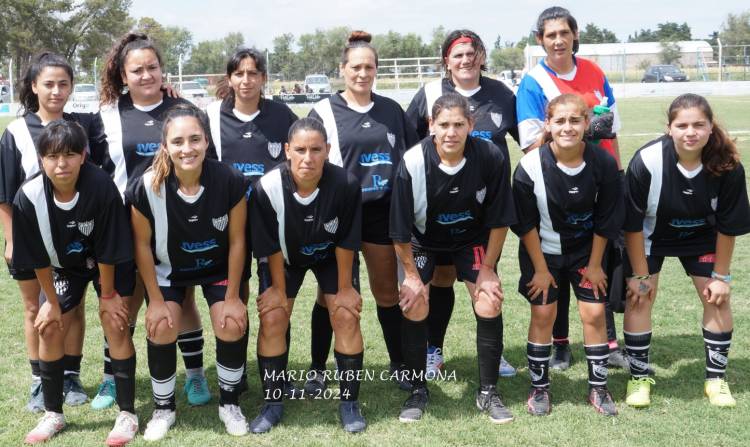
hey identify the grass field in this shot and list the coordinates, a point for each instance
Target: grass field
(679, 412)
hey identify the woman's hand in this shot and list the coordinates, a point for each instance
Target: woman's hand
(49, 314)
(716, 292)
(271, 299)
(540, 284)
(411, 292)
(155, 312)
(598, 279)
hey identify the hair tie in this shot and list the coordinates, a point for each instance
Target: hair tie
(458, 41)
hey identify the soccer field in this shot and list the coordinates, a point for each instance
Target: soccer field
(679, 412)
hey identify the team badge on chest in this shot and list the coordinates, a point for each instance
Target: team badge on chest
(220, 223)
(481, 194)
(86, 227)
(391, 138)
(331, 225)
(497, 118)
(274, 149)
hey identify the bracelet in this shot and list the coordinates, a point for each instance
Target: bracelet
(641, 277)
(110, 296)
(723, 278)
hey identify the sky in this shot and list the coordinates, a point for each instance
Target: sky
(260, 21)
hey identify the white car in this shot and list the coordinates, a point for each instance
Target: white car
(317, 83)
(85, 93)
(191, 89)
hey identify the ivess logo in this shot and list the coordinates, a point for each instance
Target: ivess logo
(197, 247)
(375, 158)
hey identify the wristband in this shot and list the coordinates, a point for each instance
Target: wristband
(723, 278)
(110, 296)
(641, 277)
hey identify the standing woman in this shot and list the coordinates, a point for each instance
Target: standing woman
(47, 85)
(133, 102)
(306, 216)
(452, 200)
(188, 217)
(561, 71)
(569, 201)
(493, 107)
(368, 134)
(686, 197)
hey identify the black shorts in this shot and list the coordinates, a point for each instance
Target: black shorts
(375, 222)
(700, 265)
(567, 268)
(213, 292)
(295, 276)
(21, 275)
(467, 260)
(70, 288)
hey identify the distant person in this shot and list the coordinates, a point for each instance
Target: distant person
(297, 89)
(282, 90)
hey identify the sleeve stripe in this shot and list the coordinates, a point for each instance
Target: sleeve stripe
(325, 111)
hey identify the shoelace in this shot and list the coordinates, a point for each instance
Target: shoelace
(104, 387)
(432, 359)
(124, 424)
(642, 382)
(159, 415)
(538, 395)
(234, 411)
(48, 422)
(724, 387)
(416, 398)
(494, 398)
(196, 383)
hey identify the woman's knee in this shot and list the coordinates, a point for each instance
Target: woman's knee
(274, 322)
(344, 320)
(163, 333)
(486, 308)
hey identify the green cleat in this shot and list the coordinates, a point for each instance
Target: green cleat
(638, 394)
(717, 391)
(196, 389)
(106, 395)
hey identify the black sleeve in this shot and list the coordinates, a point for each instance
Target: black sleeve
(29, 251)
(265, 233)
(525, 200)
(418, 115)
(513, 131)
(112, 235)
(351, 216)
(609, 207)
(136, 196)
(98, 146)
(637, 186)
(238, 186)
(11, 170)
(402, 206)
(499, 208)
(292, 117)
(733, 211)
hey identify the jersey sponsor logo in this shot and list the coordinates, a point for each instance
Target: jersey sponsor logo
(391, 138)
(74, 247)
(685, 234)
(71, 224)
(452, 218)
(576, 218)
(200, 264)
(375, 158)
(497, 118)
(274, 149)
(472, 108)
(707, 258)
(193, 219)
(366, 125)
(714, 203)
(61, 286)
(378, 184)
(481, 194)
(220, 223)
(331, 225)
(457, 231)
(454, 190)
(223, 282)
(584, 284)
(717, 358)
(483, 134)
(149, 123)
(573, 190)
(86, 227)
(247, 135)
(146, 149)
(687, 223)
(600, 371)
(198, 247)
(309, 218)
(687, 192)
(309, 250)
(250, 169)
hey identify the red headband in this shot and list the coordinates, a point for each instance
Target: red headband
(458, 41)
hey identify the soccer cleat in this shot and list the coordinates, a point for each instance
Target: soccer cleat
(434, 362)
(539, 402)
(269, 416)
(399, 375)
(160, 423)
(351, 417)
(36, 398)
(638, 393)
(490, 401)
(618, 359)
(601, 399)
(125, 429)
(106, 395)
(290, 389)
(414, 407)
(196, 389)
(506, 369)
(49, 425)
(562, 358)
(73, 391)
(233, 419)
(717, 391)
(315, 383)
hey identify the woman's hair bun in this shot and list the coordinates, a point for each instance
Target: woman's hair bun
(358, 35)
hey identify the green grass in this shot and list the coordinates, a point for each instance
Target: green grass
(679, 411)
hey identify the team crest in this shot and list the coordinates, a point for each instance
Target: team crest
(420, 260)
(274, 149)
(481, 194)
(600, 371)
(391, 138)
(714, 203)
(61, 286)
(497, 118)
(86, 227)
(220, 223)
(331, 225)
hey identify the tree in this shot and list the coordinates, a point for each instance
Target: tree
(668, 31)
(593, 34)
(210, 56)
(736, 31)
(670, 53)
(529, 39)
(171, 41)
(436, 43)
(509, 58)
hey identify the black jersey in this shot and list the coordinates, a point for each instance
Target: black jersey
(19, 159)
(568, 205)
(678, 211)
(92, 228)
(252, 147)
(306, 230)
(190, 241)
(369, 144)
(447, 208)
(134, 137)
(493, 108)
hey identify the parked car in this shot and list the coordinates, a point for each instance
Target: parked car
(84, 93)
(317, 83)
(202, 81)
(664, 73)
(4, 93)
(191, 89)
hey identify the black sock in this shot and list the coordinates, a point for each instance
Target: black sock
(489, 348)
(124, 372)
(162, 364)
(597, 358)
(717, 346)
(442, 300)
(35, 372)
(350, 370)
(636, 346)
(191, 347)
(107, 357)
(52, 384)
(245, 340)
(538, 356)
(390, 323)
(72, 364)
(414, 346)
(321, 334)
(272, 373)
(229, 368)
(560, 329)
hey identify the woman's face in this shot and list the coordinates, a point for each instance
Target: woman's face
(307, 152)
(464, 63)
(567, 125)
(142, 74)
(557, 40)
(690, 130)
(246, 81)
(63, 168)
(359, 72)
(52, 87)
(450, 129)
(186, 143)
